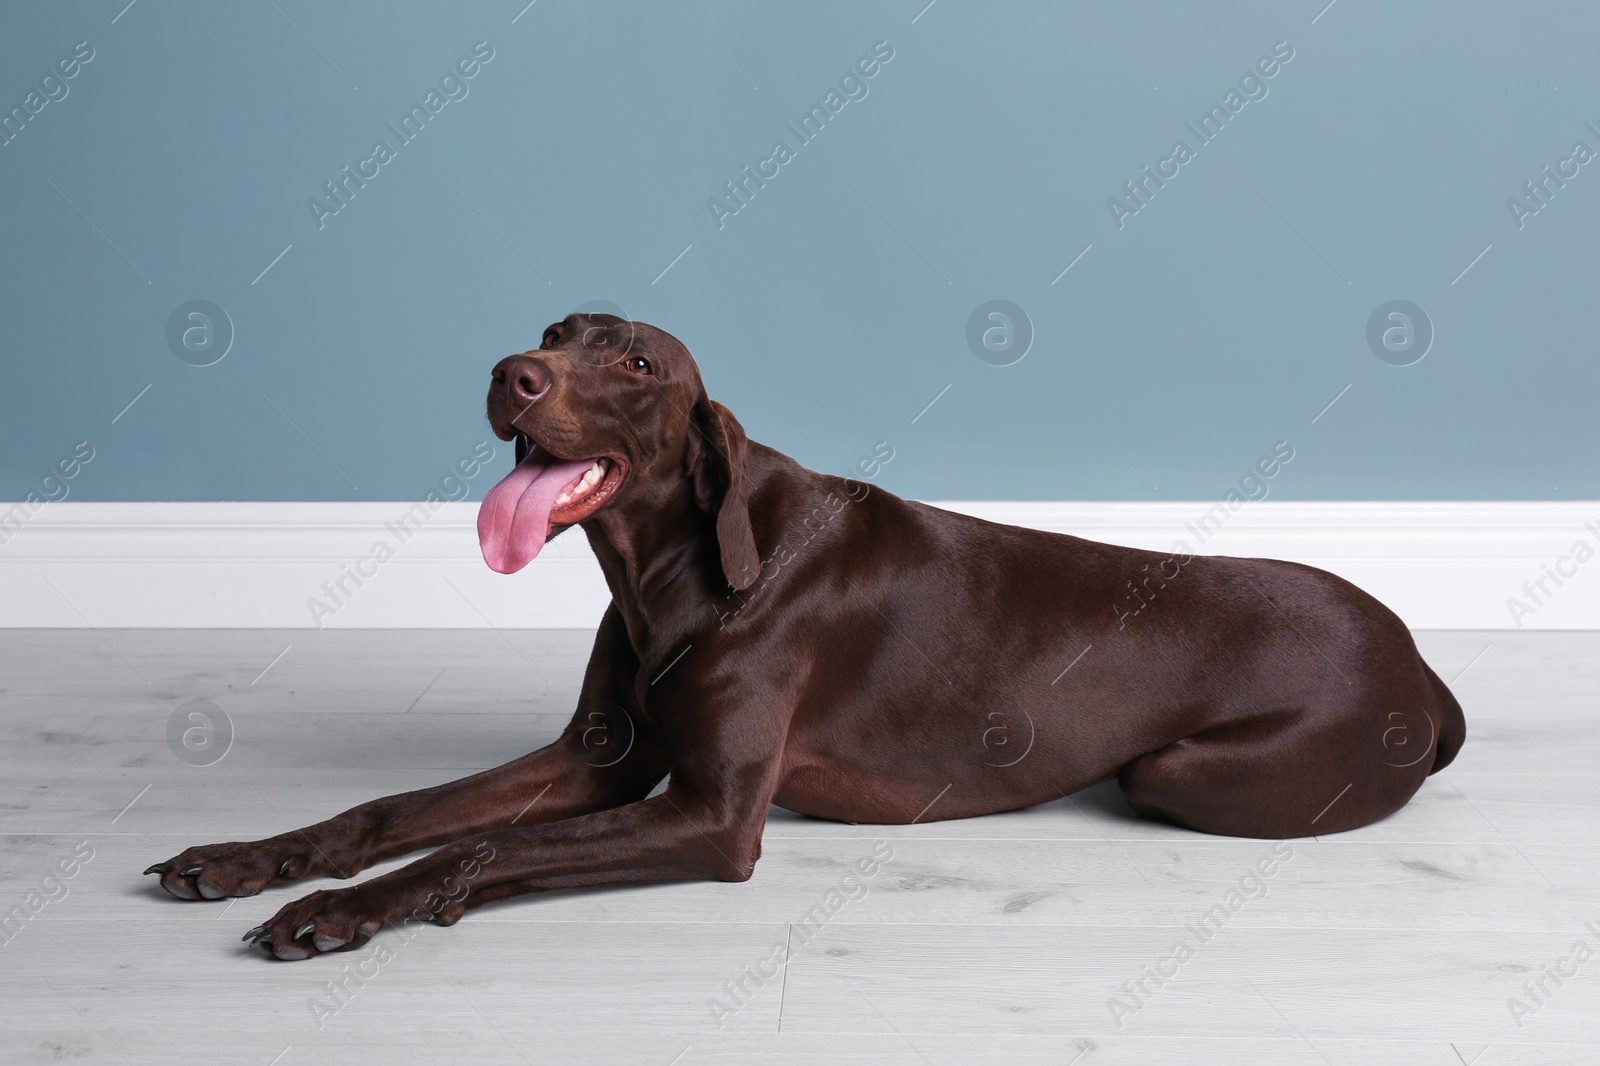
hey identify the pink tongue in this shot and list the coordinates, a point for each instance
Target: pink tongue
(515, 515)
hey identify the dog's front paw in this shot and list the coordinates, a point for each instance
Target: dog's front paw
(326, 920)
(331, 919)
(240, 868)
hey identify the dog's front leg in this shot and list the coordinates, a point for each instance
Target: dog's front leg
(676, 835)
(722, 738)
(606, 757)
(555, 782)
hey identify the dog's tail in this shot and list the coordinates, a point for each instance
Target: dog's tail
(1453, 726)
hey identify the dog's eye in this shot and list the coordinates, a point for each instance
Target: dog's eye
(549, 340)
(638, 364)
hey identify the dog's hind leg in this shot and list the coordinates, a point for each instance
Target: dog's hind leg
(1289, 773)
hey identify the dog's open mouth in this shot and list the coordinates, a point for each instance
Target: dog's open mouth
(541, 494)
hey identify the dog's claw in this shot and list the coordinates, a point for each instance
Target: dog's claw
(304, 929)
(189, 871)
(255, 934)
(159, 868)
(283, 868)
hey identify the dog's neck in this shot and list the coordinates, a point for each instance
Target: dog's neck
(658, 553)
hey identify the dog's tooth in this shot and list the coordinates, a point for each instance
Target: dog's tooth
(584, 485)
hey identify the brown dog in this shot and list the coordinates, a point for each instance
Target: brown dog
(782, 636)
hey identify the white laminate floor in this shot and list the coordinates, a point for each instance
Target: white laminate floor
(999, 939)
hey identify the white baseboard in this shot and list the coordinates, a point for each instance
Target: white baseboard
(262, 565)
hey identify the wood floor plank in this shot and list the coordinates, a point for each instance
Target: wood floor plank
(963, 882)
(256, 1045)
(1281, 982)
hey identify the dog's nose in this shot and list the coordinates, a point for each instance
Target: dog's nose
(524, 379)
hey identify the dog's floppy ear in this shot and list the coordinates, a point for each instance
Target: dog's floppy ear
(717, 449)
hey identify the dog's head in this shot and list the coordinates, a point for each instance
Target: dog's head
(605, 410)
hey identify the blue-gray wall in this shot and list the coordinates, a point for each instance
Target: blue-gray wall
(1220, 317)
